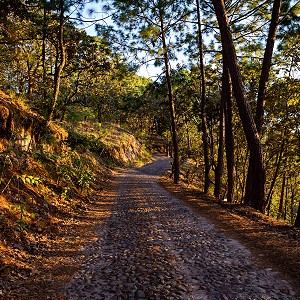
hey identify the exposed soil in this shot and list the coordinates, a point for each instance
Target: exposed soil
(58, 250)
(58, 255)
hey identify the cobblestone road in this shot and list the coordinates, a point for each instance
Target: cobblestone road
(154, 247)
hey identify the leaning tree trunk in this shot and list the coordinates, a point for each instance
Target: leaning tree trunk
(171, 103)
(255, 186)
(266, 65)
(203, 104)
(62, 62)
(265, 71)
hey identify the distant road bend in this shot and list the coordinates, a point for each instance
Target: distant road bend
(154, 247)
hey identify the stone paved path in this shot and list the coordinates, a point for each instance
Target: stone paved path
(154, 247)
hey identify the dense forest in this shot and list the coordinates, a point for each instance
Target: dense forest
(231, 107)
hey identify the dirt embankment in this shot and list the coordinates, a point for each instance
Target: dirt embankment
(25, 128)
(272, 243)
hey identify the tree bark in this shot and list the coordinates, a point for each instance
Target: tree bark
(30, 81)
(293, 198)
(229, 139)
(280, 209)
(266, 65)
(278, 163)
(297, 221)
(59, 68)
(44, 51)
(203, 104)
(176, 169)
(220, 163)
(262, 87)
(188, 137)
(255, 185)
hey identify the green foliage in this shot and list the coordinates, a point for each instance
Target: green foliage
(95, 145)
(69, 168)
(48, 139)
(80, 113)
(21, 211)
(84, 177)
(65, 192)
(44, 156)
(65, 172)
(150, 32)
(32, 180)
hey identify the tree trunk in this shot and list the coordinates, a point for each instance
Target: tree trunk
(44, 51)
(59, 68)
(297, 221)
(286, 197)
(255, 183)
(188, 137)
(278, 163)
(229, 139)
(99, 113)
(171, 103)
(262, 89)
(280, 209)
(203, 104)
(293, 198)
(220, 163)
(266, 65)
(69, 98)
(30, 85)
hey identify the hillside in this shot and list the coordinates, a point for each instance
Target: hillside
(48, 176)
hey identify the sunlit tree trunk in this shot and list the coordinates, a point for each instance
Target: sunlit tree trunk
(255, 184)
(188, 137)
(44, 50)
(30, 81)
(293, 198)
(278, 163)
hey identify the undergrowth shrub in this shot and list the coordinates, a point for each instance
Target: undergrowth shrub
(93, 144)
(82, 174)
(68, 169)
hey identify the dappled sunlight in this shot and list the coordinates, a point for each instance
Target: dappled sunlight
(153, 245)
(4, 204)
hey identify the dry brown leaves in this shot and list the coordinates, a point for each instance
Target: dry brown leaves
(36, 263)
